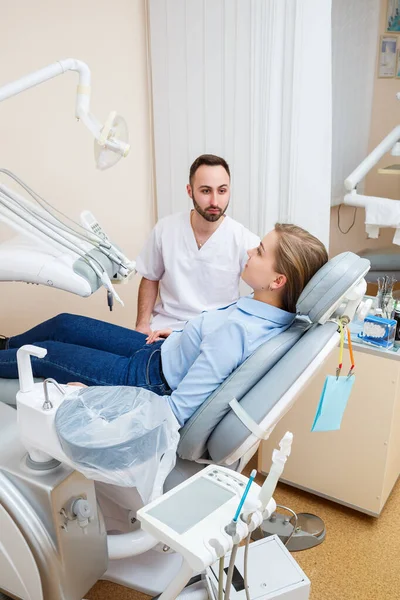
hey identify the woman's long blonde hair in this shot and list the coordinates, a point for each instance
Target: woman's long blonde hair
(298, 256)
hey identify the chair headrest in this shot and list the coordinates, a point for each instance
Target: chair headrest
(330, 284)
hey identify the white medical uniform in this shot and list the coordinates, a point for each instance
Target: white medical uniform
(193, 280)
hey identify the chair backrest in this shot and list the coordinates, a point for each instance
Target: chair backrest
(214, 431)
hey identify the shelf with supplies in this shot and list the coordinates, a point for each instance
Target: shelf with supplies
(359, 464)
(356, 328)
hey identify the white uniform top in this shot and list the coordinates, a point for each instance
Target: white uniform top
(193, 280)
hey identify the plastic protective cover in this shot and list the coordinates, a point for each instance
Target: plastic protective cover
(125, 436)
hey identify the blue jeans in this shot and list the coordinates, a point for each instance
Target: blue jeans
(90, 351)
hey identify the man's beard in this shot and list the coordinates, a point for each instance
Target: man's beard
(207, 215)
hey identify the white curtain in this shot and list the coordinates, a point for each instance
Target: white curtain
(355, 26)
(249, 80)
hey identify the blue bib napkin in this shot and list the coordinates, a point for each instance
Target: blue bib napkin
(332, 404)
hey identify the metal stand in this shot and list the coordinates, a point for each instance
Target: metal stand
(307, 533)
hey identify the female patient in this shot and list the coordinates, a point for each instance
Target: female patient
(190, 364)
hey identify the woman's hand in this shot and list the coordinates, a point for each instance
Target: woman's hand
(160, 334)
(77, 384)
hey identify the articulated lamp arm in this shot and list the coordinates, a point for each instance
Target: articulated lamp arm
(370, 161)
(82, 104)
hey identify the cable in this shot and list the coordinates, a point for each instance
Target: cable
(246, 558)
(43, 228)
(54, 229)
(41, 201)
(221, 578)
(40, 223)
(350, 345)
(230, 572)
(338, 220)
(60, 231)
(231, 530)
(89, 236)
(46, 230)
(295, 521)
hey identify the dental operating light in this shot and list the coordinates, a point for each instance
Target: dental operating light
(111, 139)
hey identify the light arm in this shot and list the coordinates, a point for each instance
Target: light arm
(82, 98)
(49, 72)
(370, 161)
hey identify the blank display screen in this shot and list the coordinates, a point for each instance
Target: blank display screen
(191, 504)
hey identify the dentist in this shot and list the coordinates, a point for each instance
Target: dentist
(194, 259)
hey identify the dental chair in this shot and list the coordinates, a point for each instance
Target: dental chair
(60, 532)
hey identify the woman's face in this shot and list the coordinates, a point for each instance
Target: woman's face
(259, 272)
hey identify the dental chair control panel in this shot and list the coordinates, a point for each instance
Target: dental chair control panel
(195, 520)
(192, 517)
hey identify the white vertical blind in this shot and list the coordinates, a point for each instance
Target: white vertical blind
(355, 26)
(249, 80)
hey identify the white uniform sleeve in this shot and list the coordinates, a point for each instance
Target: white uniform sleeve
(150, 263)
(250, 240)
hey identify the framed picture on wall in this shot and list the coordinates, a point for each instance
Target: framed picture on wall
(387, 56)
(398, 65)
(393, 16)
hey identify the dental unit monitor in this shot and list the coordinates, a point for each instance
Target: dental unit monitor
(193, 520)
(194, 503)
(191, 517)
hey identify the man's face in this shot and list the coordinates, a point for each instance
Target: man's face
(210, 191)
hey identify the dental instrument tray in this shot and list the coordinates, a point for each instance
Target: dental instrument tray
(378, 331)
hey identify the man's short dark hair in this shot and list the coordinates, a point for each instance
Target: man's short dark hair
(211, 161)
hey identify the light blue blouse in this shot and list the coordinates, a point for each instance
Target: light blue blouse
(199, 358)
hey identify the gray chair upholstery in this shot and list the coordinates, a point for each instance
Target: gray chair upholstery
(200, 426)
(214, 431)
(330, 283)
(230, 433)
(384, 261)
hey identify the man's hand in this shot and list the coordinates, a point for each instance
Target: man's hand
(160, 334)
(144, 328)
(76, 384)
(147, 297)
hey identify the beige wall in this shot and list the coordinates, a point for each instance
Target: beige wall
(385, 116)
(44, 145)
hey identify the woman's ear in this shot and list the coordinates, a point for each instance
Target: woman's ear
(278, 282)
